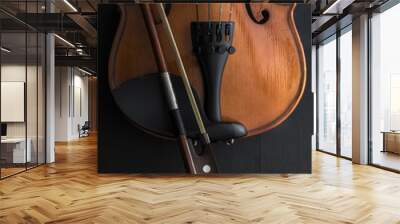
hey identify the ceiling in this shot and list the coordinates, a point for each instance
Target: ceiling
(75, 22)
(16, 42)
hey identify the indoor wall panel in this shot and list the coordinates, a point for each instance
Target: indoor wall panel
(123, 147)
(72, 102)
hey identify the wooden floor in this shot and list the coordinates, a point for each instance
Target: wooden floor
(5, 172)
(70, 191)
(386, 159)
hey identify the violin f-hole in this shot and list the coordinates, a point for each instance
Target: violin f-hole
(264, 13)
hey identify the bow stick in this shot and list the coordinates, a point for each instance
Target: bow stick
(181, 67)
(206, 150)
(194, 163)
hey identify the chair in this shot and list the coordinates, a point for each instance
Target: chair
(84, 130)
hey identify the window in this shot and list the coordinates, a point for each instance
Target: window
(334, 94)
(385, 89)
(346, 93)
(22, 77)
(327, 96)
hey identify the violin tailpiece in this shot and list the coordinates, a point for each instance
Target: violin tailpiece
(212, 44)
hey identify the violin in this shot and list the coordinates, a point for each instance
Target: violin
(258, 81)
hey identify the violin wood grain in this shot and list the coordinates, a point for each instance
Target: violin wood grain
(263, 81)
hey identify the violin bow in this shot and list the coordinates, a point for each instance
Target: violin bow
(182, 71)
(206, 151)
(194, 163)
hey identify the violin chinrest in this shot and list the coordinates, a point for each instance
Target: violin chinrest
(225, 131)
(142, 101)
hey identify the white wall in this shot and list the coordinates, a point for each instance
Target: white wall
(61, 103)
(50, 94)
(17, 73)
(33, 126)
(13, 101)
(12, 73)
(80, 110)
(360, 90)
(71, 102)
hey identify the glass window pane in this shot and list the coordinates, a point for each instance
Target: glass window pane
(23, 90)
(327, 97)
(14, 150)
(385, 87)
(41, 98)
(31, 97)
(346, 94)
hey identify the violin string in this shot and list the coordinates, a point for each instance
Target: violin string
(209, 16)
(220, 12)
(219, 28)
(227, 37)
(230, 12)
(197, 11)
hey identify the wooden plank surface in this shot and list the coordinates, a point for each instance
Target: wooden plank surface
(71, 191)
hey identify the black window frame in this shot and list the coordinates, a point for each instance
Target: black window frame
(334, 37)
(29, 30)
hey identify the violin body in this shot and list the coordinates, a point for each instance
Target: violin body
(262, 82)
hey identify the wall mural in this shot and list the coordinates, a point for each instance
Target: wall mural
(203, 74)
